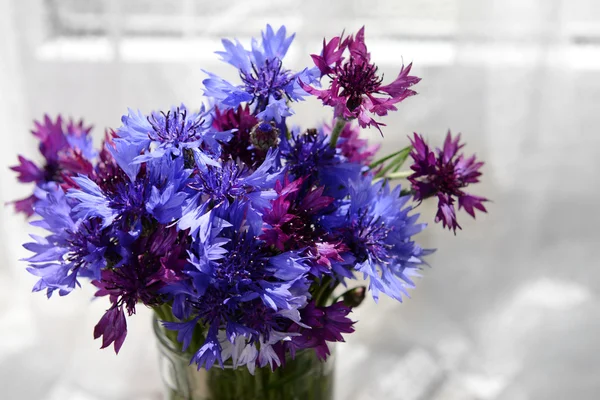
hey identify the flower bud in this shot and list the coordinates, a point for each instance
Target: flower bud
(354, 297)
(264, 135)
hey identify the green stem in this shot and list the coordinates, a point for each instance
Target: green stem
(337, 129)
(164, 313)
(328, 292)
(399, 175)
(407, 192)
(325, 290)
(318, 297)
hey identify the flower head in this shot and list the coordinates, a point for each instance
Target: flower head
(445, 173)
(218, 187)
(241, 122)
(171, 133)
(266, 83)
(67, 151)
(292, 224)
(376, 226)
(73, 248)
(356, 88)
(151, 262)
(319, 326)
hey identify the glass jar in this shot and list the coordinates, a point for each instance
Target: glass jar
(303, 378)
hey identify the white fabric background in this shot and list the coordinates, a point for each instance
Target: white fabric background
(509, 309)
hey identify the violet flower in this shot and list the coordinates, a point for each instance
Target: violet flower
(356, 89)
(445, 173)
(67, 151)
(154, 260)
(321, 325)
(240, 121)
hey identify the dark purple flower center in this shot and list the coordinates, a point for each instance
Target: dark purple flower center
(89, 236)
(369, 236)
(52, 172)
(211, 307)
(244, 264)
(357, 79)
(270, 79)
(260, 318)
(443, 180)
(133, 282)
(239, 146)
(128, 198)
(220, 184)
(174, 127)
(309, 153)
(446, 179)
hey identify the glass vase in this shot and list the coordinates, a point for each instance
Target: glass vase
(303, 378)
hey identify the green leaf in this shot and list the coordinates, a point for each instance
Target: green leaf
(384, 159)
(397, 162)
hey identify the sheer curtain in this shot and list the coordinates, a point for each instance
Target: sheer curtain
(509, 301)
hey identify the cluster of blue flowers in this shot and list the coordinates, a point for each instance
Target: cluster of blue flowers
(240, 224)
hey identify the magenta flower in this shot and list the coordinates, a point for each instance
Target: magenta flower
(67, 150)
(355, 149)
(319, 326)
(154, 261)
(292, 221)
(445, 175)
(242, 121)
(356, 89)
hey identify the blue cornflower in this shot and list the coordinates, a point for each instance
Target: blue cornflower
(171, 134)
(157, 190)
(73, 248)
(265, 81)
(219, 187)
(378, 231)
(241, 286)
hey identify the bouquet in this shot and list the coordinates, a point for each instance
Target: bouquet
(244, 232)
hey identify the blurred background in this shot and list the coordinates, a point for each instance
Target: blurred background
(509, 309)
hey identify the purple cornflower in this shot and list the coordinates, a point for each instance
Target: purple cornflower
(153, 261)
(241, 122)
(292, 224)
(67, 151)
(445, 175)
(319, 326)
(356, 88)
(154, 189)
(291, 220)
(218, 187)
